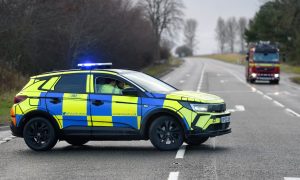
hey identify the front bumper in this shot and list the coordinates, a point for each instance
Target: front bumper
(264, 77)
(213, 127)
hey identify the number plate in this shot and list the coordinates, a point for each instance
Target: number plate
(225, 119)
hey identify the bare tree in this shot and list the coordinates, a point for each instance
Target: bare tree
(221, 33)
(164, 15)
(190, 29)
(242, 24)
(231, 28)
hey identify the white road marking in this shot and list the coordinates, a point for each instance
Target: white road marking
(231, 110)
(213, 142)
(180, 152)
(173, 176)
(201, 79)
(1, 142)
(166, 79)
(7, 139)
(291, 178)
(188, 75)
(240, 108)
(253, 89)
(222, 81)
(267, 97)
(181, 81)
(259, 92)
(278, 103)
(292, 112)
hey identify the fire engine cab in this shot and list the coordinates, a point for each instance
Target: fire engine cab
(262, 63)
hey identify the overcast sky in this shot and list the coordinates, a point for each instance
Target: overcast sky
(206, 12)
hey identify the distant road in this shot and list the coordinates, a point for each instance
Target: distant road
(264, 143)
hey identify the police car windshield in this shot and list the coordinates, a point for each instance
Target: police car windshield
(266, 57)
(148, 83)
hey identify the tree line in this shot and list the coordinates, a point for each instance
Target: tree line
(44, 35)
(278, 21)
(229, 32)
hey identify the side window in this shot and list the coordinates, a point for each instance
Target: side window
(105, 85)
(71, 83)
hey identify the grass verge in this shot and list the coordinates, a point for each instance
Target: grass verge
(6, 101)
(159, 70)
(239, 59)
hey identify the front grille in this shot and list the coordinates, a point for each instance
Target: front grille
(218, 127)
(265, 69)
(217, 107)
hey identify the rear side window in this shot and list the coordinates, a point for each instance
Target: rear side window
(72, 83)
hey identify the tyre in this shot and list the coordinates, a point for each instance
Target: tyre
(196, 141)
(274, 82)
(166, 133)
(76, 141)
(252, 81)
(39, 134)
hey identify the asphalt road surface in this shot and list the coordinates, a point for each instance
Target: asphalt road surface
(264, 143)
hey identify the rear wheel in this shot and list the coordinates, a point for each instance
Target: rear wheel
(166, 133)
(39, 134)
(77, 141)
(196, 141)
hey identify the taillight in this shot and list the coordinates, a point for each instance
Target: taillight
(18, 99)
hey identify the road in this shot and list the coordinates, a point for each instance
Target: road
(264, 143)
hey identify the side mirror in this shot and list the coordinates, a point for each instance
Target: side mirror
(130, 92)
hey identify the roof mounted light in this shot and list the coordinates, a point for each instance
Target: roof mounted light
(94, 65)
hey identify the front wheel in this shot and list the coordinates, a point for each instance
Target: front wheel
(39, 134)
(166, 133)
(196, 141)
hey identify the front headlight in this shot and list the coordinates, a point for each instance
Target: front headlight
(200, 107)
(254, 75)
(276, 75)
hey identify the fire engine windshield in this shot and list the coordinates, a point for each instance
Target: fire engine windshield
(266, 57)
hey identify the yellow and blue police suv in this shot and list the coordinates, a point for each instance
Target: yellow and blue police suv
(96, 103)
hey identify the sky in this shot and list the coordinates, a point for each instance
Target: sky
(206, 12)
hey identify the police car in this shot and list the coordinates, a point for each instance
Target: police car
(92, 103)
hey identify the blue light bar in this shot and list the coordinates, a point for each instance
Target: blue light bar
(94, 65)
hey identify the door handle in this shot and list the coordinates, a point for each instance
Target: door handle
(97, 102)
(55, 100)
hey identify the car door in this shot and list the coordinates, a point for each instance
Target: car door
(113, 109)
(67, 101)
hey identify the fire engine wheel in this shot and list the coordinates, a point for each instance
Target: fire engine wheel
(274, 82)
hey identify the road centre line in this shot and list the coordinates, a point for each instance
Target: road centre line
(173, 175)
(278, 103)
(292, 112)
(201, 79)
(180, 152)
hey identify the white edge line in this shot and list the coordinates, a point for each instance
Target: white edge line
(201, 79)
(173, 175)
(278, 103)
(292, 112)
(268, 97)
(291, 178)
(180, 152)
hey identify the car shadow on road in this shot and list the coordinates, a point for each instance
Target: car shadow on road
(208, 149)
